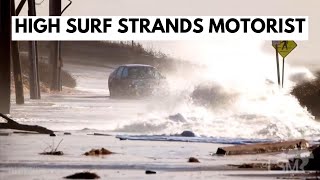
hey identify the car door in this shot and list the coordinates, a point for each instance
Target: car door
(116, 83)
(123, 82)
(111, 77)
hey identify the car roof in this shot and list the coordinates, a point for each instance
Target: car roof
(136, 65)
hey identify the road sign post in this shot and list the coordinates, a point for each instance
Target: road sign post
(282, 71)
(284, 48)
(276, 43)
(278, 69)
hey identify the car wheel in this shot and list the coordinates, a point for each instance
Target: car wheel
(112, 92)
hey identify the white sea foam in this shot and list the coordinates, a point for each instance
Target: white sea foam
(245, 99)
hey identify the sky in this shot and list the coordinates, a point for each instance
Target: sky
(307, 52)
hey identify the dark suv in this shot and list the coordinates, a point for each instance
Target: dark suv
(136, 80)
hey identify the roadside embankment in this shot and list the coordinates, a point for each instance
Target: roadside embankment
(45, 75)
(308, 94)
(105, 53)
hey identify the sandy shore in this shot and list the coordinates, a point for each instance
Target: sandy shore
(20, 159)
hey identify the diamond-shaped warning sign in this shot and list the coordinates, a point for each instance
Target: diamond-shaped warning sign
(285, 47)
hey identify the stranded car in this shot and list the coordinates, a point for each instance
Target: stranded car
(135, 80)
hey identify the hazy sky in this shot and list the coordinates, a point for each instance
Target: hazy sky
(307, 51)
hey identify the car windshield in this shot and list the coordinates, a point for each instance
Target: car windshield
(141, 72)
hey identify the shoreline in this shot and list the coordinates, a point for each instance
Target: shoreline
(20, 156)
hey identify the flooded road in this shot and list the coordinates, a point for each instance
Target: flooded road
(89, 107)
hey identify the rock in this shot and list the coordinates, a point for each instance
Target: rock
(97, 152)
(188, 134)
(246, 166)
(100, 134)
(314, 161)
(150, 172)
(67, 133)
(4, 134)
(311, 148)
(261, 166)
(316, 153)
(193, 160)
(52, 134)
(83, 175)
(177, 118)
(307, 163)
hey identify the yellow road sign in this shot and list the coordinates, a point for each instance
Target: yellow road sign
(285, 47)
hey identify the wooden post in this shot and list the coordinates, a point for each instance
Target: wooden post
(33, 57)
(37, 69)
(55, 10)
(16, 65)
(60, 64)
(5, 50)
(20, 6)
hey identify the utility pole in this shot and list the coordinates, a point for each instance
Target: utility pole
(5, 49)
(16, 65)
(33, 57)
(55, 58)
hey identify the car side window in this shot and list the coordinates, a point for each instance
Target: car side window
(113, 74)
(119, 72)
(125, 73)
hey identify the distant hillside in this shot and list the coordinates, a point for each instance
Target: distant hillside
(44, 74)
(98, 53)
(308, 94)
